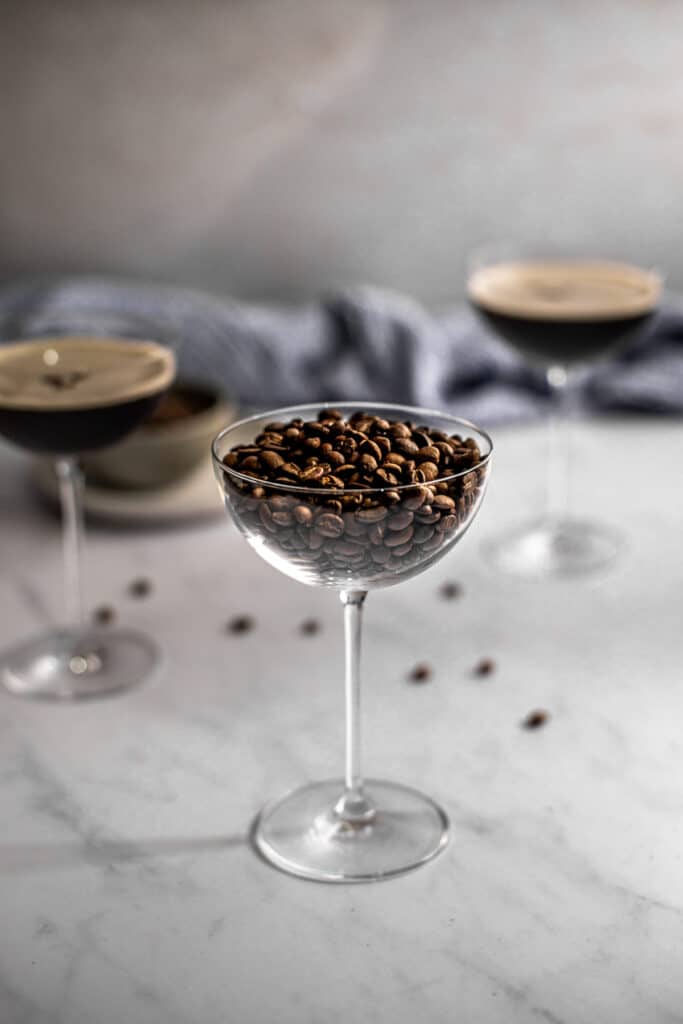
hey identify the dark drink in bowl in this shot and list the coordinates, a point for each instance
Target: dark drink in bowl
(62, 396)
(563, 312)
(69, 395)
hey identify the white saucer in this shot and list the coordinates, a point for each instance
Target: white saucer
(195, 496)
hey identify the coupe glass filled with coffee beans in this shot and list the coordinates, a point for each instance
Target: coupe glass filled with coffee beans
(353, 498)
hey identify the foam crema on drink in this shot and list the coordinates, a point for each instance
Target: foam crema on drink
(564, 311)
(65, 395)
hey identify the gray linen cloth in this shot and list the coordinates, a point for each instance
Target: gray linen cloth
(363, 344)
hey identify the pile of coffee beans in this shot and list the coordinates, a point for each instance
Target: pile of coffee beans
(375, 498)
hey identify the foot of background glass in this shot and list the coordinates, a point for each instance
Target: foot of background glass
(568, 547)
(76, 664)
(303, 835)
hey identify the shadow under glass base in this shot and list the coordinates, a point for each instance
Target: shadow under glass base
(302, 835)
(545, 550)
(73, 664)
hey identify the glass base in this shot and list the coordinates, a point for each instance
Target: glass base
(73, 664)
(542, 550)
(303, 834)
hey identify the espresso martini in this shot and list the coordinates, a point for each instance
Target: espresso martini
(61, 396)
(73, 394)
(564, 311)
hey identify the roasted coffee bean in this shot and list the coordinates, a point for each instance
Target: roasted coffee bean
(385, 478)
(449, 591)
(376, 532)
(104, 615)
(428, 453)
(303, 515)
(399, 430)
(347, 548)
(433, 543)
(422, 533)
(399, 520)
(140, 587)
(444, 449)
(280, 502)
(485, 667)
(371, 448)
(367, 464)
(446, 524)
(315, 540)
(309, 627)
(442, 503)
(353, 527)
(394, 540)
(535, 719)
(426, 471)
(371, 515)
(330, 525)
(266, 517)
(415, 499)
(283, 518)
(380, 555)
(405, 446)
(426, 516)
(311, 474)
(402, 549)
(240, 624)
(420, 673)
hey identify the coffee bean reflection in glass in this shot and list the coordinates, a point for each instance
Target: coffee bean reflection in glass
(61, 396)
(559, 313)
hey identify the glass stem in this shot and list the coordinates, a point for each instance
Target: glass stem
(353, 807)
(559, 447)
(71, 496)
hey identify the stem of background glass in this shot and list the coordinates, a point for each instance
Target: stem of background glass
(70, 492)
(353, 807)
(557, 494)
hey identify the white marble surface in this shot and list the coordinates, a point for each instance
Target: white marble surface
(128, 893)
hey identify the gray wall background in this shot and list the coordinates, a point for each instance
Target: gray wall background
(278, 148)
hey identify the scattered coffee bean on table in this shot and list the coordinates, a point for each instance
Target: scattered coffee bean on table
(485, 667)
(104, 615)
(363, 498)
(309, 627)
(450, 591)
(240, 624)
(141, 587)
(421, 673)
(535, 719)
